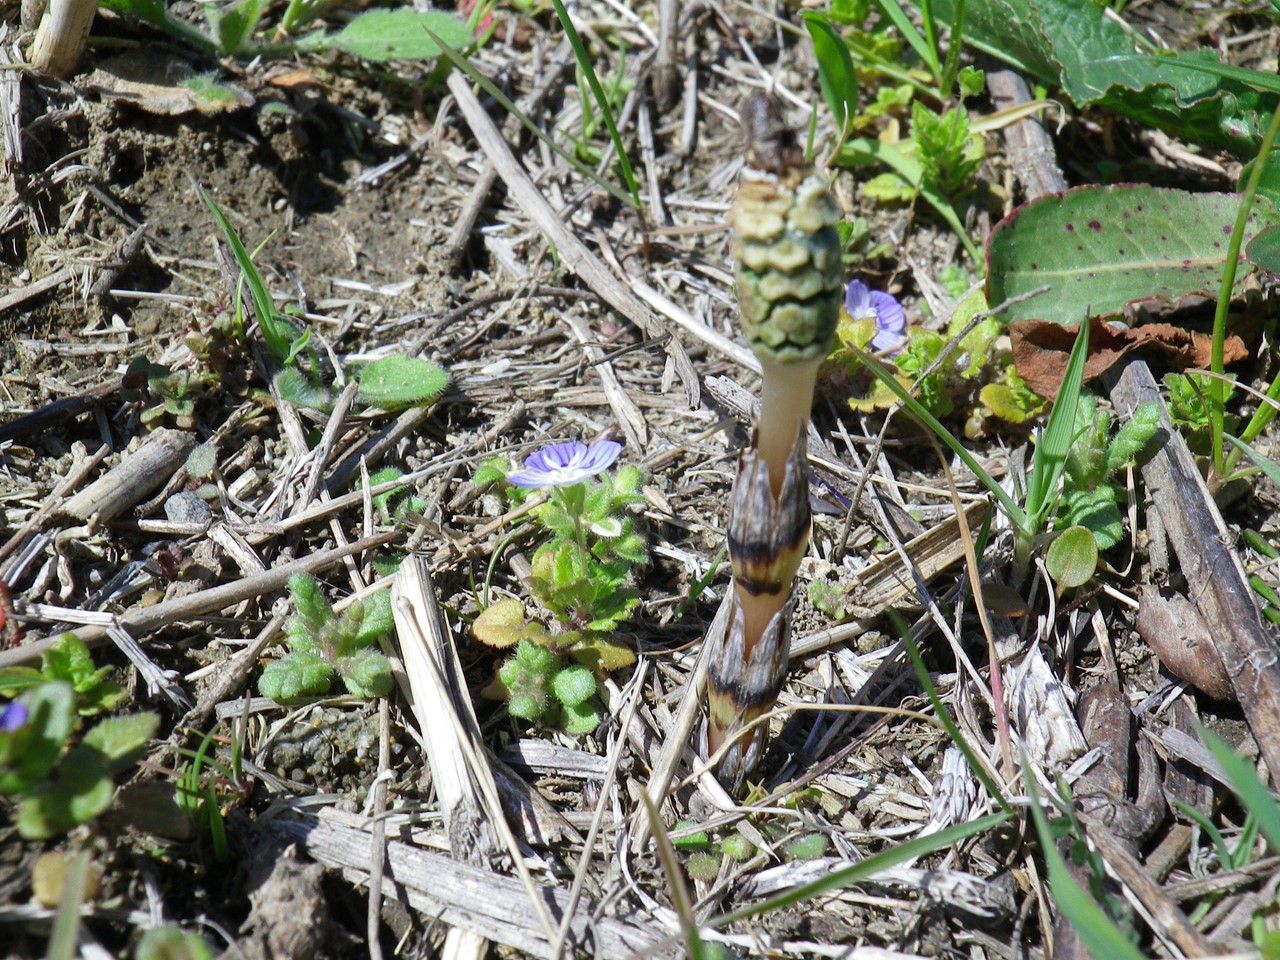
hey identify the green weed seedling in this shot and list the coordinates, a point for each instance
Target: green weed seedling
(59, 785)
(706, 855)
(204, 785)
(398, 503)
(615, 90)
(582, 577)
(390, 383)
(937, 159)
(604, 102)
(1089, 509)
(68, 660)
(166, 394)
(540, 687)
(974, 384)
(1031, 517)
(324, 645)
(1188, 402)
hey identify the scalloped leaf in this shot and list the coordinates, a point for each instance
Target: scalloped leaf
(1100, 249)
(501, 624)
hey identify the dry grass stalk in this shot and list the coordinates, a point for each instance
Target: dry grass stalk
(471, 898)
(63, 36)
(137, 475)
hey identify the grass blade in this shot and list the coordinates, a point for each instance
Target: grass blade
(917, 410)
(1265, 464)
(893, 10)
(1059, 433)
(679, 891)
(944, 716)
(919, 847)
(279, 337)
(597, 91)
(1096, 930)
(955, 44)
(1252, 792)
(66, 922)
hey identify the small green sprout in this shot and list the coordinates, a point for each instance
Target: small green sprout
(324, 645)
(67, 660)
(164, 392)
(1089, 512)
(396, 503)
(974, 383)
(809, 847)
(949, 154)
(706, 854)
(583, 573)
(540, 688)
(391, 383)
(1189, 411)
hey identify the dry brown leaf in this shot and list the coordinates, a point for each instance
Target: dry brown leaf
(1041, 349)
(1171, 625)
(166, 86)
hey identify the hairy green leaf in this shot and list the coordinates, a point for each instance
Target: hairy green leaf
(393, 35)
(396, 383)
(573, 685)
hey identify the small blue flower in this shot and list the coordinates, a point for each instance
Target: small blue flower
(890, 319)
(564, 464)
(13, 716)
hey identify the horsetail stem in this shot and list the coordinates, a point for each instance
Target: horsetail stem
(787, 266)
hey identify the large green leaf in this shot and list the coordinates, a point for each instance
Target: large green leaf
(395, 35)
(1101, 248)
(1076, 45)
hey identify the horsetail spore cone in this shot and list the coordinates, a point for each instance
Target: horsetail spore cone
(788, 272)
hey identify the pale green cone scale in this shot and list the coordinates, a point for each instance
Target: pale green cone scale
(787, 264)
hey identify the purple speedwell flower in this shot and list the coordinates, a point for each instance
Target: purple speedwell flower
(891, 320)
(13, 717)
(564, 464)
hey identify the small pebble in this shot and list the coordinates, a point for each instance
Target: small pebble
(187, 508)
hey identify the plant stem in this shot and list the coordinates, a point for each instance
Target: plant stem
(786, 397)
(1218, 389)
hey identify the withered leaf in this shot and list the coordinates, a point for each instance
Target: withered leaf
(1041, 349)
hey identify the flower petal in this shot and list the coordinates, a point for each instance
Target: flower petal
(564, 464)
(889, 313)
(857, 299)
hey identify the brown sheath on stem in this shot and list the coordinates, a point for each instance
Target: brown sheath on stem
(768, 537)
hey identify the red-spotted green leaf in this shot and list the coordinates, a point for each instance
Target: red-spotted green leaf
(1099, 249)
